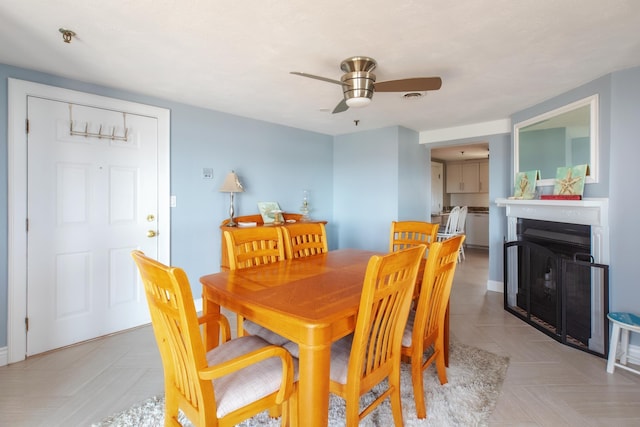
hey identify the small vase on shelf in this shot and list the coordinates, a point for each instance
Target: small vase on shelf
(305, 208)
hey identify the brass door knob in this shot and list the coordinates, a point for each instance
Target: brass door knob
(151, 233)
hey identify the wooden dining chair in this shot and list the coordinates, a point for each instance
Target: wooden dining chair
(305, 239)
(372, 353)
(251, 247)
(425, 325)
(405, 234)
(224, 386)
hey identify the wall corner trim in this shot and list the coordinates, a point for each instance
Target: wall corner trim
(467, 131)
(495, 286)
(4, 358)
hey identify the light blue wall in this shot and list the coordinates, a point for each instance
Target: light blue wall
(275, 163)
(365, 187)
(414, 185)
(379, 176)
(624, 203)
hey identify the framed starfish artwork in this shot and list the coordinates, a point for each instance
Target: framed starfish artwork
(570, 180)
(526, 184)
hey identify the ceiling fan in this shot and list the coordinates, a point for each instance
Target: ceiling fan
(358, 83)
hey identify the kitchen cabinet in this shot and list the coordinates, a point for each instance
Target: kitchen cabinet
(477, 229)
(468, 177)
(463, 177)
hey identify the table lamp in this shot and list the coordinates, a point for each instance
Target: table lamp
(231, 185)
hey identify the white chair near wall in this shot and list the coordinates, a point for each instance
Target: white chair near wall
(452, 225)
(452, 228)
(461, 227)
(623, 325)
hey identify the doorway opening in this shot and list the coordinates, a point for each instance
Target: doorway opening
(465, 183)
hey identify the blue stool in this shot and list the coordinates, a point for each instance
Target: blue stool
(625, 323)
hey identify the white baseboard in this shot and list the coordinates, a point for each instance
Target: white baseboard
(634, 354)
(495, 286)
(4, 356)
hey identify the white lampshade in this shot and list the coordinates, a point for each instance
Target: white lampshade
(231, 184)
(358, 102)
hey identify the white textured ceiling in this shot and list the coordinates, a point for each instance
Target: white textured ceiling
(495, 57)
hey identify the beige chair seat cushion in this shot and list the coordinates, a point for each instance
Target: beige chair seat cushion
(247, 385)
(340, 351)
(407, 336)
(268, 335)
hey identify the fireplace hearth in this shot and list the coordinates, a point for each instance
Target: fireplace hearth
(555, 272)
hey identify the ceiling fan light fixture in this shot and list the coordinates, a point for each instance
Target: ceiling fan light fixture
(359, 83)
(357, 102)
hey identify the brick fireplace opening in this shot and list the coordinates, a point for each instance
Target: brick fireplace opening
(555, 272)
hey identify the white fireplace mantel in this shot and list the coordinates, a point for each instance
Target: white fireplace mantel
(593, 212)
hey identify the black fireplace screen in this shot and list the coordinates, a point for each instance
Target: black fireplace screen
(564, 296)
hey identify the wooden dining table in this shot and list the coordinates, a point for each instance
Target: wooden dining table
(311, 301)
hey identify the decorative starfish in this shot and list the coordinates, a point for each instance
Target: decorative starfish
(566, 184)
(524, 183)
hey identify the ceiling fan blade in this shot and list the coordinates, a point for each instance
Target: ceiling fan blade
(417, 84)
(342, 106)
(312, 76)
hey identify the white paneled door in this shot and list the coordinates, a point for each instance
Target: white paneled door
(91, 201)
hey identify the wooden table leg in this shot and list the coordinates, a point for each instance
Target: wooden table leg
(211, 331)
(313, 385)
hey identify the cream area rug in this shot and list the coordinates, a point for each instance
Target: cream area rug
(475, 379)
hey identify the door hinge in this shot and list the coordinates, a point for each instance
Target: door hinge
(26, 323)
(26, 225)
(26, 125)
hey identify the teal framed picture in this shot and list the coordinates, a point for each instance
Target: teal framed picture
(570, 180)
(525, 187)
(268, 211)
